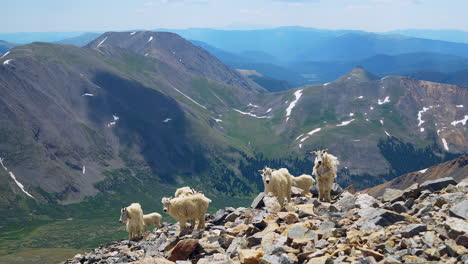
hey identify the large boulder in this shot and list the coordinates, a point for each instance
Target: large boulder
(438, 184)
(183, 249)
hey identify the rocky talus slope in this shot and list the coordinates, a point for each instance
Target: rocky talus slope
(425, 223)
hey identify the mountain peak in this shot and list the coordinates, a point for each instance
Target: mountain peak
(175, 51)
(360, 74)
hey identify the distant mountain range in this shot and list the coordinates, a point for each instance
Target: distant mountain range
(142, 112)
(296, 56)
(442, 34)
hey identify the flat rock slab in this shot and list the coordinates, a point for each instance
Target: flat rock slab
(460, 210)
(437, 185)
(258, 201)
(414, 229)
(379, 216)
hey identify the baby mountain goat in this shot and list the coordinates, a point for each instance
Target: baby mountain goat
(325, 168)
(303, 182)
(153, 219)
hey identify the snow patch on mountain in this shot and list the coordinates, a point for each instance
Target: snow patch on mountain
(345, 123)
(386, 100)
(100, 43)
(420, 115)
(186, 96)
(314, 131)
(445, 144)
(20, 185)
(298, 95)
(4, 55)
(250, 114)
(462, 121)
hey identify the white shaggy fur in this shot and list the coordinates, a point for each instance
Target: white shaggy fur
(187, 207)
(133, 217)
(277, 182)
(153, 219)
(303, 182)
(184, 191)
(325, 168)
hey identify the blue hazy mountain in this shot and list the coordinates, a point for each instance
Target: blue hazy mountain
(438, 34)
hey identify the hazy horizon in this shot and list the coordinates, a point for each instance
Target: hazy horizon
(27, 16)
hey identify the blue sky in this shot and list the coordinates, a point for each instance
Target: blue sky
(104, 15)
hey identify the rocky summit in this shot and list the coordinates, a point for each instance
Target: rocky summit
(417, 225)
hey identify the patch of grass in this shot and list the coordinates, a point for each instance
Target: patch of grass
(40, 256)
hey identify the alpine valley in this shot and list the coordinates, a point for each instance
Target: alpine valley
(133, 115)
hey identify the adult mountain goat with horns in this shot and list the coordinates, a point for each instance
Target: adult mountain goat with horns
(325, 168)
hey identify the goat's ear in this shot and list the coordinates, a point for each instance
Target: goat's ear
(262, 171)
(313, 152)
(325, 150)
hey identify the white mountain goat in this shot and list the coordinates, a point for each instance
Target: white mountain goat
(133, 217)
(278, 182)
(325, 168)
(187, 207)
(303, 182)
(153, 219)
(184, 191)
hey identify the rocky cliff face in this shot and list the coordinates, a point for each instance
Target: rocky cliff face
(426, 223)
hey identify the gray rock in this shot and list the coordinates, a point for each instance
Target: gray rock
(258, 201)
(409, 203)
(399, 207)
(236, 245)
(286, 259)
(412, 192)
(437, 185)
(392, 195)
(462, 240)
(321, 244)
(270, 259)
(325, 225)
(347, 202)
(379, 216)
(460, 210)
(413, 230)
(364, 200)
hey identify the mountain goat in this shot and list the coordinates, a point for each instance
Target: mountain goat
(184, 191)
(325, 167)
(133, 217)
(153, 219)
(187, 207)
(278, 182)
(303, 182)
